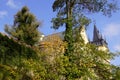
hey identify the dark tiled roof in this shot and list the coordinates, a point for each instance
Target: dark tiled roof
(97, 38)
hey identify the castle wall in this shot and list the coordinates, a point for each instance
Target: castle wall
(103, 48)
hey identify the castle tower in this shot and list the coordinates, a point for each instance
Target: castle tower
(84, 35)
(98, 40)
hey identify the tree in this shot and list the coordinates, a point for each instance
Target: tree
(71, 13)
(116, 73)
(15, 59)
(87, 62)
(25, 27)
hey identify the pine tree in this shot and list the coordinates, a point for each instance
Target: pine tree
(25, 27)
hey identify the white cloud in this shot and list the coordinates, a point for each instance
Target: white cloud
(117, 47)
(3, 13)
(112, 30)
(11, 4)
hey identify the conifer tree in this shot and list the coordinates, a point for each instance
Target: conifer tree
(25, 27)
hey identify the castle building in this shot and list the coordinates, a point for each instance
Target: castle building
(98, 40)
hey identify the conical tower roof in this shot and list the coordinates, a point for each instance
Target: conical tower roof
(97, 37)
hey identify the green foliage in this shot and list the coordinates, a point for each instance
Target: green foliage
(86, 62)
(116, 73)
(10, 46)
(25, 27)
(76, 9)
(72, 14)
(20, 60)
(16, 59)
(69, 37)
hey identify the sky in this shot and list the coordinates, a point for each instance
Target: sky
(109, 27)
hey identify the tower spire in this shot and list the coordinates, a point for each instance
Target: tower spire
(97, 37)
(96, 34)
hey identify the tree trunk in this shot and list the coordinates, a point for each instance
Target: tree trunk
(68, 31)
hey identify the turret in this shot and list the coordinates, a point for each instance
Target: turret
(84, 35)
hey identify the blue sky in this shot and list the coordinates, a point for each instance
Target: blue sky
(42, 9)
